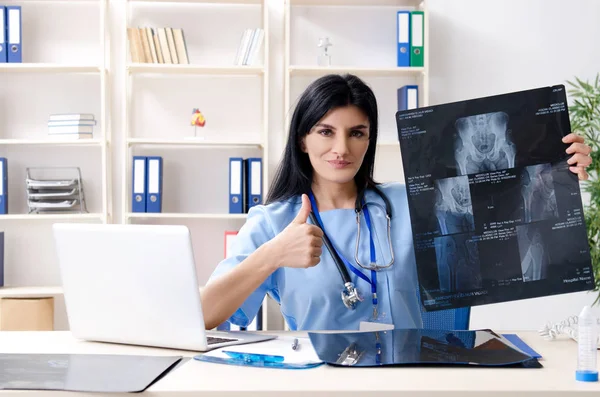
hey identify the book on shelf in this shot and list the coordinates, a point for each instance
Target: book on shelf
(249, 47)
(71, 117)
(162, 45)
(71, 129)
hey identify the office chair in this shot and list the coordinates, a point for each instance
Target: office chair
(449, 319)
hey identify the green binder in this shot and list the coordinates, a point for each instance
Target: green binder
(417, 22)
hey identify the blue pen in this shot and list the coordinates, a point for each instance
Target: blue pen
(255, 357)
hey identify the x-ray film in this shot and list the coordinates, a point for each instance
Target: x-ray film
(496, 214)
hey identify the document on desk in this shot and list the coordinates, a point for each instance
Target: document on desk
(275, 353)
(83, 372)
(496, 214)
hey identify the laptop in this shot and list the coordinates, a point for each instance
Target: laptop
(136, 284)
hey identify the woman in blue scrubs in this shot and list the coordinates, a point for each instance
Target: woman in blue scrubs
(329, 160)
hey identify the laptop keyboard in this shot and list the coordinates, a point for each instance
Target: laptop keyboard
(211, 340)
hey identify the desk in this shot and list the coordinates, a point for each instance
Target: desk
(194, 378)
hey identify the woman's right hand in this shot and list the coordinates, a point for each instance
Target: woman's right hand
(300, 243)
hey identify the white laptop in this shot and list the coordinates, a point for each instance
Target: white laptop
(135, 284)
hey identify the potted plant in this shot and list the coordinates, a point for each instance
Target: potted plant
(584, 114)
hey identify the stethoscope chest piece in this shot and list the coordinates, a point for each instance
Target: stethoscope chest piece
(350, 296)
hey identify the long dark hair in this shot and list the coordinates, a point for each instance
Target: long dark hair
(295, 172)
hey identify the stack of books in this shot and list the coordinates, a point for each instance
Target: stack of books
(71, 126)
(161, 45)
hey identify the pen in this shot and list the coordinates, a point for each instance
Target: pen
(295, 344)
(254, 357)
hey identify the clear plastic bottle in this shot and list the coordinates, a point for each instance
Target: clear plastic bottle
(324, 59)
(587, 344)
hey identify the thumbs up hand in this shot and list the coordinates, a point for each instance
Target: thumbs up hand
(300, 243)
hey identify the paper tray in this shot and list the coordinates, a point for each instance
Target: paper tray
(65, 204)
(52, 194)
(51, 184)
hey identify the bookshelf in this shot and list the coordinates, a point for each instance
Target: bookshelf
(195, 171)
(74, 73)
(156, 102)
(376, 65)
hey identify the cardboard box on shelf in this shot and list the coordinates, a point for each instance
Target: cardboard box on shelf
(27, 314)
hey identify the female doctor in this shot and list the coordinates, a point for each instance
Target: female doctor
(327, 169)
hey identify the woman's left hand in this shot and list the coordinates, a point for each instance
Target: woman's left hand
(580, 158)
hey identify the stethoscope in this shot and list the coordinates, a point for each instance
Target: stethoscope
(350, 295)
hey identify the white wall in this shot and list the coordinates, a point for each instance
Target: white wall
(481, 48)
(477, 48)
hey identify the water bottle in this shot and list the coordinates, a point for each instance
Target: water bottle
(587, 344)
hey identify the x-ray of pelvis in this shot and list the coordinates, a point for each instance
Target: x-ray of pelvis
(538, 193)
(453, 207)
(496, 214)
(483, 144)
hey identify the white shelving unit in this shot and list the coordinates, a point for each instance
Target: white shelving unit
(319, 71)
(30, 292)
(54, 217)
(23, 266)
(173, 215)
(49, 67)
(381, 74)
(195, 69)
(53, 142)
(164, 70)
(192, 143)
(149, 139)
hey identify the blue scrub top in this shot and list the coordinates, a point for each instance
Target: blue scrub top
(310, 298)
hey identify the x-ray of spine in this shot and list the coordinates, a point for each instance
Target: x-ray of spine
(539, 198)
(483, 144)
(453, 207)
(458, 263)
(533, 252)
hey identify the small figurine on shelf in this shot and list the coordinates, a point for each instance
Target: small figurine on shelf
(198, 120)
(324, 59)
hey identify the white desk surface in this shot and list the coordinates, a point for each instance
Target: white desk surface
(195, 378)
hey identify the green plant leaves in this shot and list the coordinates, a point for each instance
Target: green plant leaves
(584, 112)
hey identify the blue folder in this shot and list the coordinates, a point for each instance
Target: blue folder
(518, 342)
